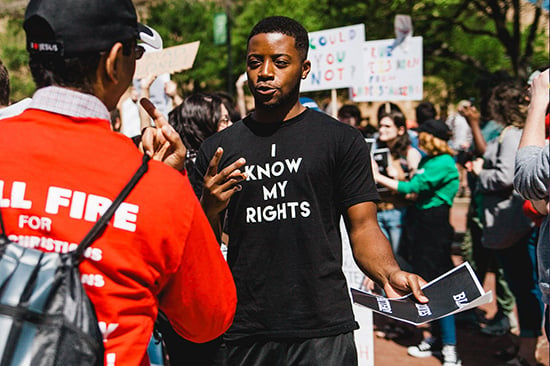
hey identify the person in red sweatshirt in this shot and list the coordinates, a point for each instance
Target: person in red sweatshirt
(61, 166)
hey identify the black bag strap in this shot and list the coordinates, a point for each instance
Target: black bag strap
(3, 233)
(96, 231)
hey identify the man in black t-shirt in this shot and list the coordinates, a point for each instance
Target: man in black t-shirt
(278, 181)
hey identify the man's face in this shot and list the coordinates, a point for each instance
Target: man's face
(274, 69)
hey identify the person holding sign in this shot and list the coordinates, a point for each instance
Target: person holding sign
(436, 184)
(278, 182)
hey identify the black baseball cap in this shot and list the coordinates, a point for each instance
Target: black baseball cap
(436, 128)
(67, 27)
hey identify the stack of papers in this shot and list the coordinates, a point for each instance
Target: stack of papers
(455, 291)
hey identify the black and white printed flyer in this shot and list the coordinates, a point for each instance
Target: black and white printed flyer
(455, 291)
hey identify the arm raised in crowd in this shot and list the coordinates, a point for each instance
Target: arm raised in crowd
(533, 132)
(473, 117)
(532, 168)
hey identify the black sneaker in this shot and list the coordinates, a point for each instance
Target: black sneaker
(498, 326)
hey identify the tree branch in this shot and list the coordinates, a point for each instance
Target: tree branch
(531, 35)
(444, 51)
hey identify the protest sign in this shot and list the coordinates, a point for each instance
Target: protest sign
(336, 58)
(168, 60)
(390, 74)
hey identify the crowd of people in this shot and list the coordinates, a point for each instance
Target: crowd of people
(268, 184)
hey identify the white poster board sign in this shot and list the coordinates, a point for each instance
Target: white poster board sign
(364, 335)
(168, 60)
(336, 58)
(390, 74)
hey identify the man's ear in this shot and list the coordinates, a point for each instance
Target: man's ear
(113, 63)
(306, 68)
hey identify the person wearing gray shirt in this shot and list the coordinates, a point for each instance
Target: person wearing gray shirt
(532, 177)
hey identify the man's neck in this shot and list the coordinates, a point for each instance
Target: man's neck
(267, 115)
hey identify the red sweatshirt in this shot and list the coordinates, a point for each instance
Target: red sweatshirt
(58, 174)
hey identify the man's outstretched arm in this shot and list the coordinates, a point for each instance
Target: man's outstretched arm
(373, 254)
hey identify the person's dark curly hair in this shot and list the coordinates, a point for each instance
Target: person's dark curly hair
(508, 104)
(286, 26)
(196, 119)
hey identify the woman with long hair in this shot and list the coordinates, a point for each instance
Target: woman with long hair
(403, 160)
(515, 250)
(197, 118)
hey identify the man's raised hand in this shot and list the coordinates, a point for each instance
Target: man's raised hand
(220, 186)
(162, 143)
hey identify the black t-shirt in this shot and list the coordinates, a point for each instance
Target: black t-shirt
(285, 249)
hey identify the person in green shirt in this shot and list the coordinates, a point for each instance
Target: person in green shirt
(435, 185)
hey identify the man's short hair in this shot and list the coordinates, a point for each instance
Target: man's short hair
(4, 85)
(350, 110)
(286, 26)
(77, 72)
(424, 112)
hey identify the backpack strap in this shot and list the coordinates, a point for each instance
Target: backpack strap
(3, 233)
(101, 224)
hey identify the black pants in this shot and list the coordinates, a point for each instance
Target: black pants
(338, 350)
(182, 352)
(432, 238)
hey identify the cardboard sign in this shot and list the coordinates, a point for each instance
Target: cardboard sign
(390, 73)
(336, 58)
(168, 60)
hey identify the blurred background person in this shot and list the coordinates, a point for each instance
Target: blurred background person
(230, 105)
(425, 111)
(391, 210)
(460, 142)
(351, 115)
(4, 86)
(171, 91)
(6, 108)
(532, 176)
(484, 130)
(403, 162)
(129, 113)
(507, 231)
(197, 118)
(435, 184)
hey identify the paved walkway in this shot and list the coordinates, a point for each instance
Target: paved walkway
(473, 348)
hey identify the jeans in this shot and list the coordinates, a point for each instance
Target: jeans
(391, 224)
(445, 330)
(520, 271)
